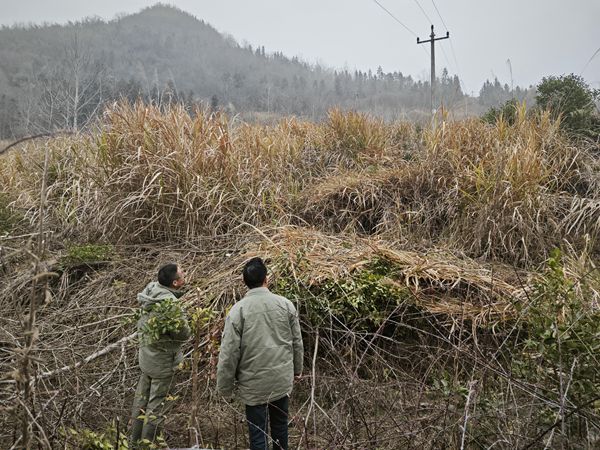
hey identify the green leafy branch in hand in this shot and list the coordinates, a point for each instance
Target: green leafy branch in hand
(166, 317)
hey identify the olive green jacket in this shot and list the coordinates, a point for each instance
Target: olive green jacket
(159, 359)
(261, 348)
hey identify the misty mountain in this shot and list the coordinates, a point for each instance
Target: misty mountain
(59, 76)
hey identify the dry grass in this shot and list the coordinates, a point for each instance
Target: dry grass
(460, 218)
(508, 192)
(502, 192)
(153, 175)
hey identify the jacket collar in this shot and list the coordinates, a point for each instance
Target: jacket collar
(176, 292)
(257, 291)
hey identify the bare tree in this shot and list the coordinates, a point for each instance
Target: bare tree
(66, 93)
(83, 75)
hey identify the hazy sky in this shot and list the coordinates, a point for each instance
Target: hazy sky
(540, 37)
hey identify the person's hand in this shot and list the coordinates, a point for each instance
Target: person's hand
(298, 377)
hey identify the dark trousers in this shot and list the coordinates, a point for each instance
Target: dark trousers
(259, 416)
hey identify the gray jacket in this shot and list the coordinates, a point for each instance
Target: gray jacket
(160, 359)
(261, 348)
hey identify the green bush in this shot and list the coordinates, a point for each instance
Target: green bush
(87, 253)
(508, 112)
(105, 440)
(362, 301)
(570, 98)
(563, 338)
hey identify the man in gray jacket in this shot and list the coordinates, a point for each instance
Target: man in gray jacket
(261, 352)
(160, 350)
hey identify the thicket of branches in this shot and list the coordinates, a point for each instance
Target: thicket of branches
(436, 309)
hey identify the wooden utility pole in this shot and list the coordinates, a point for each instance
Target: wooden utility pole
(432, 39)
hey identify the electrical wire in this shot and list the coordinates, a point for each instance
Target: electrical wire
(445, 56)
(400, 22)
(395, 18)
(446, 27)
(423, 11)
(439, 15)
(589, 61)
(431, 22)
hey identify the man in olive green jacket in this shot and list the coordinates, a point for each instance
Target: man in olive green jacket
(160, 352)
(261, 352)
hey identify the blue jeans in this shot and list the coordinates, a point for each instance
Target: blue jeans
(258, 416)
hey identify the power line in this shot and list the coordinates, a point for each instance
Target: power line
(395, 18)
(400, 22)
(431, 23)
(445, 57)
(455, 93)
(589, 61)
(446, 27)
(438, 13)
(454, 56)
(442, 48)
(424, 13)
(444, 23)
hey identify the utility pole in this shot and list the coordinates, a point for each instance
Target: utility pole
(432, 39)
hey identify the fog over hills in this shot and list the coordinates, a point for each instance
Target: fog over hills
(60, 76)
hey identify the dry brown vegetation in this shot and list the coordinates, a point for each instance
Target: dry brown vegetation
(417, 258)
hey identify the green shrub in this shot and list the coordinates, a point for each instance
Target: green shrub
(508, 112)
(105, 440)
(563, 338)
(200, 318)
(87, 253)
(362, 301)
(570, 98)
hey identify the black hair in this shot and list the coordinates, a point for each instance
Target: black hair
(254, 273)
(167, 274)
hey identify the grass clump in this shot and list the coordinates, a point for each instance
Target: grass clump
(508, 190)
(88, 254)
(355, 133)
(8, 218)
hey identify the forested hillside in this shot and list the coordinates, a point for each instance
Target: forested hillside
(59, 76)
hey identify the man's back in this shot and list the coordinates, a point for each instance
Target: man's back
(160, 350)
(160, 355)
(261, 348)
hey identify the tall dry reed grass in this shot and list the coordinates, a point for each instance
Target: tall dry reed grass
(399, 246)
(505, 192)
(508, 192)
